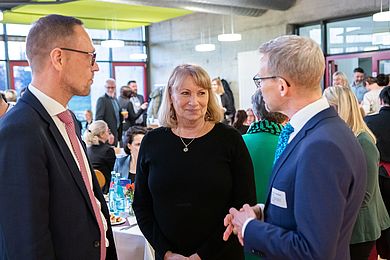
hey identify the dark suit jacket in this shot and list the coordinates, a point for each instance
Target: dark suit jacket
(380, 126)
(105, 111)
(321, 175)
(45, 210)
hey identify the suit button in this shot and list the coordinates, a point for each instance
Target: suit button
(96, 243)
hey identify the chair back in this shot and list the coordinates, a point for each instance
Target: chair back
(100, 177)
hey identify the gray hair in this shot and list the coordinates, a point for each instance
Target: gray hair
(299, 60)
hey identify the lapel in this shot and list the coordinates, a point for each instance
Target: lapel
(329, 112)
(57, 139)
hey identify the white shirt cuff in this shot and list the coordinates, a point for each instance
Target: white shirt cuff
(261, 206)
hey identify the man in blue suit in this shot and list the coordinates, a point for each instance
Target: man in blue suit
(50, 202)
(318, 182)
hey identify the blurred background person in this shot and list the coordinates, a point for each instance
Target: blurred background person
(127, 165)
(124, 96)
(250, 117)
(199, 169)
(139, 104)
(100, 153)
(88, 118)
(380, 126)
(340, 79)
(357, 85)
(373, 216)
(108, 110)
(222, 98)
(261, 140)
(11, 96)
(374, 85)
(239, 120)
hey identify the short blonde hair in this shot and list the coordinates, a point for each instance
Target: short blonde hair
(220, 89)
(167, 113)
(343, 77)
(297, 59)
(347, 106)
(94, 131)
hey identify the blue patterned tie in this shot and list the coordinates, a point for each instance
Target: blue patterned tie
(283, 140)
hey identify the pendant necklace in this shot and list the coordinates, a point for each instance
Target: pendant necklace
(185, 149)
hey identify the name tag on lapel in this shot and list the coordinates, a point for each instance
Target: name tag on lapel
(278, 198)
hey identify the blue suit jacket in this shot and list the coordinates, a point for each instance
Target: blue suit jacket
(45, 209)
(322, 175)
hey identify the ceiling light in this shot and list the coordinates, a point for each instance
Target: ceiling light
(138, 56)
(229, 37)
(205, 47)
(112, 43)
(382, 16)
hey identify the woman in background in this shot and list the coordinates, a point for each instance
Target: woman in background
(239, 120)
(340, 79)
(372, 217)
(100, 153)
(371, 103)
(127, 165)
(190, 172)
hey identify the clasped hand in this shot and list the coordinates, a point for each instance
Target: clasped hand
(236, 219)
(173, 256)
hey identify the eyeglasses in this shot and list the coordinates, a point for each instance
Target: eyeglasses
(258, 80)
(92, 54)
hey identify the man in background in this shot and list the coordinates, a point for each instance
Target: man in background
(138, 104)
(318, 177)
(4, 106)
(357, 85)
(108, 110)
(50, 201)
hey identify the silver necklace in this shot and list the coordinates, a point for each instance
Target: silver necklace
(185, 149)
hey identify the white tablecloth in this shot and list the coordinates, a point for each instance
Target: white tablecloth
(131, 244)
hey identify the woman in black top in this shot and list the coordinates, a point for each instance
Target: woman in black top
(190, 172)
(101, 154)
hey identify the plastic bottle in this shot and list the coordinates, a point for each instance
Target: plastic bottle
(111, 194)
(119, 196)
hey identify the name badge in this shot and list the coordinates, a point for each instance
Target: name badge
(278, 198)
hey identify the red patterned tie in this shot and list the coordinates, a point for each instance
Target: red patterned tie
(67, 118)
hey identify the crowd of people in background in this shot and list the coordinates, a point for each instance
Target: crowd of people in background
(304, 173)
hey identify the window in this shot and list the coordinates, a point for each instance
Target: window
(313, 32)
(3, 76)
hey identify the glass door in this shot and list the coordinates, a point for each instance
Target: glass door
(123, 72)
(20, 75)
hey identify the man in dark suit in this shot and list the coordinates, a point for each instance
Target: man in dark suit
(318, 181)
(139, 105)
(108, 110)
(50, 202)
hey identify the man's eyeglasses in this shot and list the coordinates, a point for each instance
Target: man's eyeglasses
(92, 54)
(259, 80)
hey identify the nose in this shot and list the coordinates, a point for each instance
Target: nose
(193, 100)
(95, 67)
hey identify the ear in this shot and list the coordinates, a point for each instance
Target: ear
(56, 58)
(283, 88)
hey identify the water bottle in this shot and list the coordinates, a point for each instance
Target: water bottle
(111, 194)
(119, 196)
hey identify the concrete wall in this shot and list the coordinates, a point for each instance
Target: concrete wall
(173, 42)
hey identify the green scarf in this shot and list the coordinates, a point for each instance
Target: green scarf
(265, 126)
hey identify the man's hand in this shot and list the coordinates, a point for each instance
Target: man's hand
(194, 257)
(144, 106)
(172, 256)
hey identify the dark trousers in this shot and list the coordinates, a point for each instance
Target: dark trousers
(361, 251)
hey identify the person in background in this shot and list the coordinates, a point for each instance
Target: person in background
(108, 110)
(357, 85)
(101, 154)
(311, 203)
(250, 117)
(239, 120)
(57, 209)
(372, 217)
(88, 118)
(11, 96)
(380, 126)
(138, 103)
(222, 98)
(127, 165)
(4, 106)
(340, 79)
(124, 97)
(199, 169)
(371, 102)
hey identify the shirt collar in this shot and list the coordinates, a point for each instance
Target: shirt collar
(52, 106)
(299, 119)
